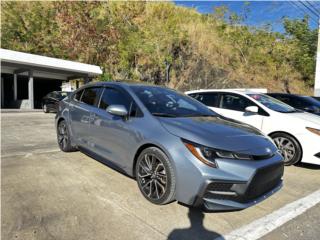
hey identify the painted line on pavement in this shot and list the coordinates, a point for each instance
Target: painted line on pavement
(26, 154)
(272, 221)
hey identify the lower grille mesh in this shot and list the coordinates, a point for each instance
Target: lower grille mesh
(265, 180)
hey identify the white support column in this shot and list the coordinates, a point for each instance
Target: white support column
(31, 90)
(317, 78)
(15, 87)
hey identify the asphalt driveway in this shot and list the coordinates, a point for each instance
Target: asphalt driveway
(48, 194)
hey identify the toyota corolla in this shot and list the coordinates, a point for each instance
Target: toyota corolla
(175, 147)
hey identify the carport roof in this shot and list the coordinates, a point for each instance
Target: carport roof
(13, 60)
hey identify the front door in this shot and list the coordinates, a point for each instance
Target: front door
(233, 106)
(114, 137)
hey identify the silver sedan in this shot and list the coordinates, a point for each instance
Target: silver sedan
(175, 147)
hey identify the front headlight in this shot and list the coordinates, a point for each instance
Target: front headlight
(209, 155)
(314, 130)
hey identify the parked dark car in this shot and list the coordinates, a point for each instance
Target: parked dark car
(175, 147)
(304, 103)
(50, 102)
(317, 98)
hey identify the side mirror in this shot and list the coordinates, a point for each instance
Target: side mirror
(252, 109)
(117, 110)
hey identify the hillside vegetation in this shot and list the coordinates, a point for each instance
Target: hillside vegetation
(134, 40)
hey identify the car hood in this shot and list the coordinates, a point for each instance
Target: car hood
(220, 133)
(307, 118)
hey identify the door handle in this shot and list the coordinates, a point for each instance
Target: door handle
(92, 117)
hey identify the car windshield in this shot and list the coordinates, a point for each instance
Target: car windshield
(164, 102)
(272, 103)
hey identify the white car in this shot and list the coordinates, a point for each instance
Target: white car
(296, 133)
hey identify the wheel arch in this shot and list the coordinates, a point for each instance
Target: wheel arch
(272, 133)
(139, 151)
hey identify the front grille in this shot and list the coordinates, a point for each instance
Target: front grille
(264, 180)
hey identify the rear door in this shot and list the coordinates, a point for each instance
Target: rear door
(81, 107)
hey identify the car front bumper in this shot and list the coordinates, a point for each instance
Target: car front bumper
(233, 185)
(223, 195)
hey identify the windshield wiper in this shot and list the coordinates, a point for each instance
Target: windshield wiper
(293, 111)
(164, 115)
(199, 115)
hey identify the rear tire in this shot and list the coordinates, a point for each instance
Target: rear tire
(289, 148)
(155, 176)
(63, 137)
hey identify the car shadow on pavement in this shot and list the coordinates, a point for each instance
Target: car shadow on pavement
(196, 230)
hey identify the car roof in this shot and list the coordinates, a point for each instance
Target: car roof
(121, 83)
(238, 91)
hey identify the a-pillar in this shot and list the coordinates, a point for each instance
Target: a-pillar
(31, 90)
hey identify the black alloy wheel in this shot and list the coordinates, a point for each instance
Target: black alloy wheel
(63, 135)
(155, 176)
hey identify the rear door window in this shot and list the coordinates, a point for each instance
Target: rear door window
(209, 99)
(91, 96)
(77, 95)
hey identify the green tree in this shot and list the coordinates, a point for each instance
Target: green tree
(133, 40)
(305, 41)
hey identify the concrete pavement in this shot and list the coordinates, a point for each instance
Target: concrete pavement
(48, 194)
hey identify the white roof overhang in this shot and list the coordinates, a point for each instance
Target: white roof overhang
(47, 67)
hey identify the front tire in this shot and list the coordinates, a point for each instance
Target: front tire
(289, 148)
(63, 136)
(155, 176)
